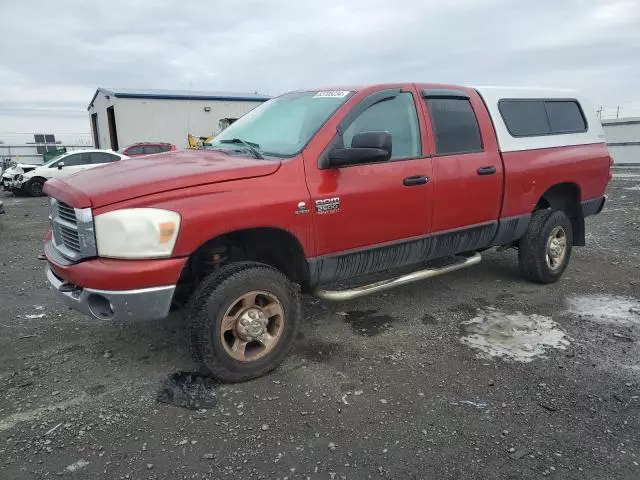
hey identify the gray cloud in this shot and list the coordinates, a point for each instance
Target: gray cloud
(54, 54)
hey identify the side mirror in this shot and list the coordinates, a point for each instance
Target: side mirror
(60, 165)
(367, 147)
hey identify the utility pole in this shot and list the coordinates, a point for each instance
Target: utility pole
(599, 112)
(617, 112)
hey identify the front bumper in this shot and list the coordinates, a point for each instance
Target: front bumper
(117, 305)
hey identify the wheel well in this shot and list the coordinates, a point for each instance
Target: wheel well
(37, 177)
(272, 246)
(566, 197)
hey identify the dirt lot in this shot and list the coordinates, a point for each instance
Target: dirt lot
(477, 374)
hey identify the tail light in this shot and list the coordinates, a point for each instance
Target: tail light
(610, 168)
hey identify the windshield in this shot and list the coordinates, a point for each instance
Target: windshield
(282, 126)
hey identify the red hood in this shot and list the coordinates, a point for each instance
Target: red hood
(137, 177)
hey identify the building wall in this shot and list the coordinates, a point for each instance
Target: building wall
(625, 154)
(623, 138)
(100, 105)
(159, 120)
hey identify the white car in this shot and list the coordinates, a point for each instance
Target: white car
(12, 173)
(63, 166)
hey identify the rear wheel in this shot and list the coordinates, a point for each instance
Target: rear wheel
(243, 321)
(545, 249)
(34, 187)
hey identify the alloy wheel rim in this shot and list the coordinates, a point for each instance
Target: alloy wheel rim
(252, 326)
(556, 250)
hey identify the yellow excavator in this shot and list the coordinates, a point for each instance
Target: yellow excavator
(198, 142)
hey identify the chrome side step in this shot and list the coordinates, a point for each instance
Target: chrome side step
(340, 295)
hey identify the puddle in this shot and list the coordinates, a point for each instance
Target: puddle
(606, 309)
(515, 336)
(367, 323)
(188, 390)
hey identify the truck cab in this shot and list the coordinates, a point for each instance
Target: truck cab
(322, 186)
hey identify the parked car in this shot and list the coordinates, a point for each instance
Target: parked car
(12, 173)
(63, 166)
(147, 148)
(351, 182)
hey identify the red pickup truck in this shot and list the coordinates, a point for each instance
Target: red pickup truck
(317, 187)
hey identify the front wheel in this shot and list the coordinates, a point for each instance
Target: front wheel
(545, 249)
(34, 187)
(243, 321)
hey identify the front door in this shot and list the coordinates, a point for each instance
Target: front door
(370, 207)
(73, 163)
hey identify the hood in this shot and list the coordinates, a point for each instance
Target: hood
(27, 165)
(137, 177)
(19, 168)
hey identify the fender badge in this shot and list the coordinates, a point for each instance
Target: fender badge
(328, 206)
(302, 208)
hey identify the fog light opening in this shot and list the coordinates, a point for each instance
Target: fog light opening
(100, 307)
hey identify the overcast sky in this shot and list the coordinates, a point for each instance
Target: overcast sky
(54, 54)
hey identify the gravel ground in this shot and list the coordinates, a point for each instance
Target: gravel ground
(477, 374)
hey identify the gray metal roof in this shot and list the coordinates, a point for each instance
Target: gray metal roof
(620, 121)
(179, 95)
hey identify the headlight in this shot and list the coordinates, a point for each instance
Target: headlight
(137, 233)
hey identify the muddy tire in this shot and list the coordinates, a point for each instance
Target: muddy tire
(243, 320)
(545, 249)
(34, 187)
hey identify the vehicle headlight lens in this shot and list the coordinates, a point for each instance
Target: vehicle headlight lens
(137, 233)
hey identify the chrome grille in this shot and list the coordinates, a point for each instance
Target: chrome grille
(73, 235)
(70, 238)
(67, 213)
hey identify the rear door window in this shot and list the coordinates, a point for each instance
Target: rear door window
(137, 150)
(455, 125)
(149, 149)
(103, 157)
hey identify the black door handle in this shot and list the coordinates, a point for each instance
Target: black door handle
(415, 180)
(487, 170)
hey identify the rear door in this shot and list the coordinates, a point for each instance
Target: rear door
(373, 205)
(467, 166)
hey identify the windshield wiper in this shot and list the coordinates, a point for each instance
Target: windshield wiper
(250, 146)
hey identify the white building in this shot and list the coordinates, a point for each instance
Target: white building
(120, 117)
(623, 139)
